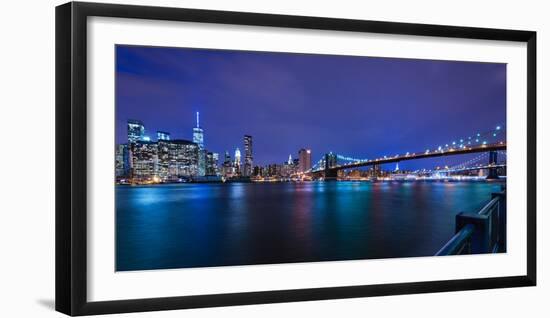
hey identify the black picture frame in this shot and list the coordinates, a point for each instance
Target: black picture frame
(71, 157)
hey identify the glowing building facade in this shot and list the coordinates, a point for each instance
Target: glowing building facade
(177, 160)
(162, 135)
(248, 158)
(144, 161)
(304, 160)
(211, 163)
(122, 165)
(136, 131)
(237, 164)
(198, 138)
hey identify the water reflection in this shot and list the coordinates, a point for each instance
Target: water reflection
(197, 225)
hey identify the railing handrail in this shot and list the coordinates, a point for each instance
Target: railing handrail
(457, 242)
(461, 238)
(487, 208)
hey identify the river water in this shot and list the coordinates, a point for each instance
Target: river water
(201, 225)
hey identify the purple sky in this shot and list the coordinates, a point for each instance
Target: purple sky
(363, 107)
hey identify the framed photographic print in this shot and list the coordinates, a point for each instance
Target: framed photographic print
(208, 158)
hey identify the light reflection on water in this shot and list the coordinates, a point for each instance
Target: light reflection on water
(198, 225)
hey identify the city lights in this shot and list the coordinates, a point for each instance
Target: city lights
(144, 161)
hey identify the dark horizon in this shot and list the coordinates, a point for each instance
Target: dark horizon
(363, 107)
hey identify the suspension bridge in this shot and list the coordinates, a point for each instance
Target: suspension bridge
(490, 144)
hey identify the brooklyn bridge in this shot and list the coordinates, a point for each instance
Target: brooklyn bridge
(492, 143)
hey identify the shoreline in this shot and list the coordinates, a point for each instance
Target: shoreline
(500, 180)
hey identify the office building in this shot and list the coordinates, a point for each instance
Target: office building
(216, 158)
(237, 163)
(198, 138)
(162, 135)
(304, 160)
(178, 160)
(121, 161)
(144, 161)
(227, 166)
(248, 159)
(211, 163)
(136, 131)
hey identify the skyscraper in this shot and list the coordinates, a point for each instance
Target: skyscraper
(304, 163)
(227, 158)
(216, 158)
(136, 131)
(121, 161)
(198, 138)
(177, 159)
(211, 163)
(162, 135)
(144, 161)
(237, 161)
(248, 159)
(227, 166)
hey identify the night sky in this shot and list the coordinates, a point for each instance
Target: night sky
(363, 107)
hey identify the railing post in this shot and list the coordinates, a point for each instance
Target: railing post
(501, 220)
(481, 237)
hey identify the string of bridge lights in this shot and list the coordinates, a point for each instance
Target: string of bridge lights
(479, 138)
(483, 139)
(479, 160)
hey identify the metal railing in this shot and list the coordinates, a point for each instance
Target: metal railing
(481, 232)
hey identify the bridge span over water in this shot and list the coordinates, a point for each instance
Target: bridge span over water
(329, 168)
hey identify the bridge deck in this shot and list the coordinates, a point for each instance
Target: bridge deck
(414, 156)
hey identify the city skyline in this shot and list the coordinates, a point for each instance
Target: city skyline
(136, 130)
(169, 85)
(166, 159)
(239, 158)
(144, 160)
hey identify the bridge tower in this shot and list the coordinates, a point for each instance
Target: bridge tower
(493, 173)
(330, 161)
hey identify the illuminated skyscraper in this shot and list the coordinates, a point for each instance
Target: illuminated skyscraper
(248, 159)
(136, 131)
(198, 138)
(211, 163)
(122, 165)
(304, 163)
(227, 166)
(227, 158)
(177, 159)
(144, 161)
(237, 161)
(161, 135)
(198, 134)
(216, 158)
